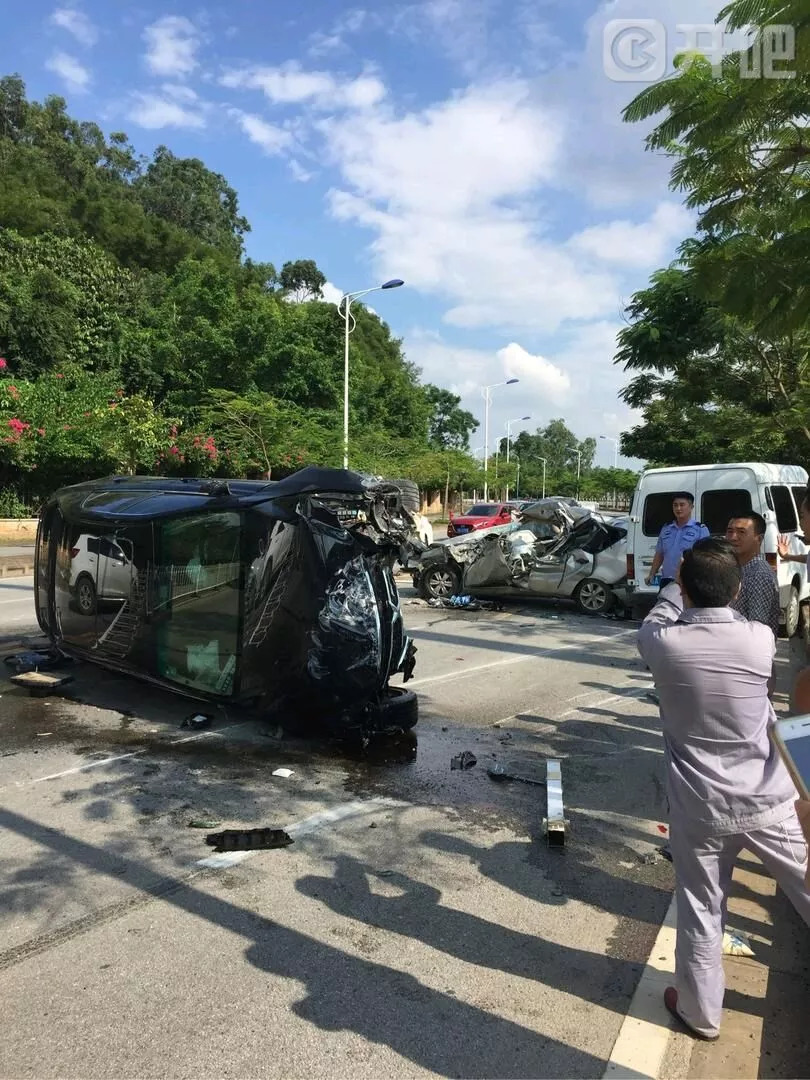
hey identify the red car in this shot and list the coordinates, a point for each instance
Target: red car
(480, 516)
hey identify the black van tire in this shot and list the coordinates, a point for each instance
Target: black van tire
(410, 495)
(397, 711)
(793, 614)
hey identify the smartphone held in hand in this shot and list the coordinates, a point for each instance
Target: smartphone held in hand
(792, 738)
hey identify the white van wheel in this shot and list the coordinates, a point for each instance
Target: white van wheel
(793, 613)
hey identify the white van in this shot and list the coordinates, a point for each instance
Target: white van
(721, 492)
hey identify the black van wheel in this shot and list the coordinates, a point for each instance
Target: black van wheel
(86, 595)
(397, 711)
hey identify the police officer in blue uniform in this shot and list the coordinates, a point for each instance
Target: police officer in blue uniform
(676, 538)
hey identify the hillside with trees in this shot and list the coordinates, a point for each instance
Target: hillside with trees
(136, 336)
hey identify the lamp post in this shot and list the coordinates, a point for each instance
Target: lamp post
(346, 315)
(509, 423)
(615, 442)
(544, 474)
(487, 398)
(579, 467)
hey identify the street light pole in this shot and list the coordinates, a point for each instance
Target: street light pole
(544, 474)
(487, 399)
(509, 423)
(615, 442)
(346, 315)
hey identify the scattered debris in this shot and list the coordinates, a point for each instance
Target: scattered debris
(465, 760)
(663, 829)
(42, 734)
(649, 858)
(498, 772)
(23, 662)
(445, 729)
(373, 825)
(282, 772)
(555, 812)
(203, 823)
(665, 852)
(197, 721)
(39, 683)
(248, 839)
(736, 943)
(653, 697)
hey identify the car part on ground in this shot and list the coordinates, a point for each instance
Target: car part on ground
(555, 549)
(275, 594)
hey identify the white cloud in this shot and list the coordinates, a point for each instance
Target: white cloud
(637, 244)
(180, 93)
(171, 46)
(348, 23)
(449, 194)
(77, 24)
(271, 138)
(537, 374)
(299, 173)
(290, 84)
(152, 111)
(68, 68)
(331, 294)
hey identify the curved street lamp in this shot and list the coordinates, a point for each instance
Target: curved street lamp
(615, 442)
(509, 423)
(346, 315)
(487, 398)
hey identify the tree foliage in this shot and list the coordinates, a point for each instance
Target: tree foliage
(742, 156)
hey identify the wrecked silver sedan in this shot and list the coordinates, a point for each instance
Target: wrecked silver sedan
(275, 594)
(555, 550)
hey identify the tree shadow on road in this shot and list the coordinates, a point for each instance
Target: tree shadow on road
(433, 1029)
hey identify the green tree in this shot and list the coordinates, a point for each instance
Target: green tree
(185, 193)
(742, 156)
(449, 426)
(710, 387)
(302, 280)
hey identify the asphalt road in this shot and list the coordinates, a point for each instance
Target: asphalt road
(418, 925)
(17, 607)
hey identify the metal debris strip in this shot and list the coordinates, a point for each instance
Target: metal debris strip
(248, 839)
(498, 772)
(555, 812)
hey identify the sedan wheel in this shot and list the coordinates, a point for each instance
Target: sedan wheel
(439, 584)
(593, 597)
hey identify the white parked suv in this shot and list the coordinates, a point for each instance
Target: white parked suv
(100, 568)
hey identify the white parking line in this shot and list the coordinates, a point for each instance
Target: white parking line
(644, 1036)
(120, 757)
(539, 654)
(356, 808)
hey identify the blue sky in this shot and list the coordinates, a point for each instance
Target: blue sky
(472, 147)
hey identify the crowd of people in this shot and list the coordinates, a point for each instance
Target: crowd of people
(710, 643)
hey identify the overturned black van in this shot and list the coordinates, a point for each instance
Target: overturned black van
(279, 595)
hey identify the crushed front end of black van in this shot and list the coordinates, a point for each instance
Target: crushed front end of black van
(276, 594)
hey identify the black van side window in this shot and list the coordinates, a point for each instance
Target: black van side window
(657, 512)
(785, 510)
(717, 508)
